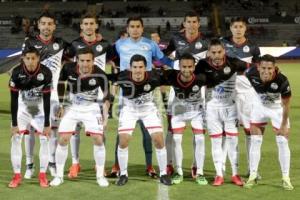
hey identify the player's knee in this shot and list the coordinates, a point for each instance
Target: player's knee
(16, 138)
(64, 140)
(98, 140)
(123, 140)
(158, 140)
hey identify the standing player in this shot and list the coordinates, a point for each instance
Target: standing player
(273, 103)
(221, 114)
(238, 46)
(188, 41)
(137, 104)
(126, 48)
(187, 105)
(30, 86)
(51, 54)
(103, 52)
(85, 81)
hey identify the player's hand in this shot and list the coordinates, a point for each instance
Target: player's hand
(14, 130)
(59, 113)
(284, 130)
(46, 131)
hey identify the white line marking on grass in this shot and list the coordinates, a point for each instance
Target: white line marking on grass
(162, 192)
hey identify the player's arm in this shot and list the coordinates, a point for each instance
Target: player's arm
(14, 96)
(285, 101)
(61, 88)
(106, 100)
(46, 102)
(159, 55)
(170, 48)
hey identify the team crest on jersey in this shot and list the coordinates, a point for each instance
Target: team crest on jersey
(274, 86)
(195, 88)
(144, 47)
(55, 46)
(99, 48)
(227, 70)
(37, 46)
(147, 87)
(246, 49)
(92, 82)
(40, 77)
(198, 45)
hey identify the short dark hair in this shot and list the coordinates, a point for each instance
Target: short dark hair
(155, 32)
(215, 42)
(48, 15)
(135, 18)
(88, 15)
(138, 57)
(30, 49)
(122, 33)
(238, 19)
(191, 14)
(187, 56)
(267, 58)
(86, 50)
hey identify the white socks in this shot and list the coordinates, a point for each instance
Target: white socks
(123, 160)
(233, 153)
(52, 145)
(177, 138)
(217, 154)
(284, 155)
(99, 156)
(199, 152)
(29, 141)
(255, 151)
(161, 155)
(74, 144)
(248, 144)
(16, 152)
(44, 153)
(61, 155)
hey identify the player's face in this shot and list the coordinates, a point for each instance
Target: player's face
(187, 67)
(266, 70)
(46, 26)
(31, 61)
(85, 63)
(88, 26)
(155, 37)
(191, 25)
(217, 54)
(238, 29)
(135, 29)
(138, 70)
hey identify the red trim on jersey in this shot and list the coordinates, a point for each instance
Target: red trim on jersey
(286, 97)
(231, 134)
(216, 135)
(14, 89)
(259, 124)
(185, 84)
(198, 131)
(128, 129)
(26, 132)
(66, 132)
(46, 91)
(140, 82)
(54, 127)
(178, 130)
(89, 43)
(152, 127)
(93, 133)
(238, 45)
(46, 42)
(31, 73)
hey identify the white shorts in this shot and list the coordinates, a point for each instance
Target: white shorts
(178, 122)
(150, 117)
(91, 119)
(221, 120)
(260, 116)
(27, 120)
(54, 108)
(244, 106)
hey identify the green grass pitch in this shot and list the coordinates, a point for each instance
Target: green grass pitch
(142, 187)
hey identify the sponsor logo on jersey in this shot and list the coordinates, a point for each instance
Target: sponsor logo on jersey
(21, 76)
(195, 88)
(227, 70)
(274, 86)
(37, 46)
(55, 46)
(72, 78)
(181, 43)
(255, 81)
(147, 87)
(40, 77)
(99, 48)
(92, 82)
(246, 49)
(198, 45)
(80, 47)
(229, 45)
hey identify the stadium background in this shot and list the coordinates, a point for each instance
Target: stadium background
(274, 25)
